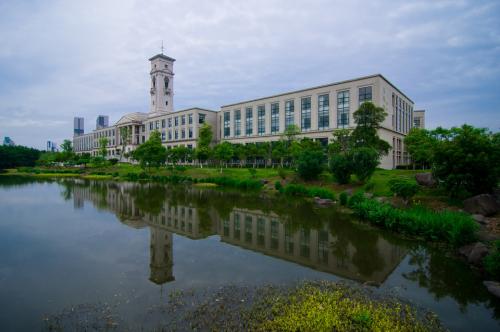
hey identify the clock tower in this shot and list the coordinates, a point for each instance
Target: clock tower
(162, 83)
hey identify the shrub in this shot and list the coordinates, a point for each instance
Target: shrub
(295, 190)
(320, 192)
(369, 186)
(303, 191)
(310, 164)
(340, 167)
(343, 198)
(456, 228)
(113, 161)
(278, 186)
(403, 188)
(492, 261)
(364, 161)
(253, 172)
(282, 173)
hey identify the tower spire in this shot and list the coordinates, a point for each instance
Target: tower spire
(162, 46)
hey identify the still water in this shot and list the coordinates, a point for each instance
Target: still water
(65, 243)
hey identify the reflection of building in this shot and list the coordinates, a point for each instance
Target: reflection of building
(349, 252)
(161, 258)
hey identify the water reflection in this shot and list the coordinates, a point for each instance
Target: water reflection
(289, 230)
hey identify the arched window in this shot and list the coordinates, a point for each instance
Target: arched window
(166, 82)
(154, 82)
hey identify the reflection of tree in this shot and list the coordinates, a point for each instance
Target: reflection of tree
(445, 276)
(149, 198)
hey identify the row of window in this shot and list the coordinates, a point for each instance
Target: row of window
(176, 121)
(104, 133)
(403, 114)
(177, 134)
(343, 102)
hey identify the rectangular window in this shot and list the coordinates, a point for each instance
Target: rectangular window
(163, 136)
(190, 132)
(183, 120)
(261, 120)
(163, 123)
(151, 126)
(227, 118)
(169, 135)
(249, 121)
(170, 122)
(275, 118)
(158, 124)
(201, 118)
(305, 113)
(190, 118)
(176, 134)
(237, 123)
(323, 111)
(289, 110)
(365, 94)
(342, 109)
(176, 121)
(183, 133)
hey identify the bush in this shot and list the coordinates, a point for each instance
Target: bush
(295, 190)
(456, 228)
(282, 173)
(343, 198)
(310, 164)
(341, 168)
(369, 186)
(320, 192)
(364, 162)
(113, 161)
(492, 261)
(278, 186)
(303, 191)
(253, 172)
(403, 188)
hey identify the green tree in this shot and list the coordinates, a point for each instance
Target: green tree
(310, 163)
(223, 152)
(467, 162)
(341, 167)
(341, 141)
(15, 156)
(240, 152)
(203, 150)
(125, 139)
(364, 161)
(67, 146)
(151, 153)
(403, 188)
(103, 143)
(368, 119)
(420, 144)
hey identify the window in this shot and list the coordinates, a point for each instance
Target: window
(190, 118)
(170, 122)
(151, 126)
(176, 134)
(323, 111)
(342, 109)
(176, 121)
(227, 118)
(163, 136)
(190, 132)
(169, 135)
(249, 121)
(201, 118)
(289, 109)
(183, 133)
(157, 124)
(237, 123)
(416, 122)
(183, 120)
(305, 113)
(275, 118)
(261, 120)
(365, 94)
(163, 123)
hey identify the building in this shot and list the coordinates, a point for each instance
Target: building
(102, 121)
(51, 146)
(8, 141)
(419, 119)
(316, 111)
(78, 126)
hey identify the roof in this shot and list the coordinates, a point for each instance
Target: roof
(158, 114)
(132, 117)
(162, 56)
(319, 87)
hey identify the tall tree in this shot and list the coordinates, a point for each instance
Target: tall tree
(223, 152)
(103, 143)
(368, 119)
(203, 143)
(420, 145)
(125, 139)
(151, 153)
(67, 146)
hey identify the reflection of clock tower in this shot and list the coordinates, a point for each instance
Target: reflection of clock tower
(162, 83)
(161, 256)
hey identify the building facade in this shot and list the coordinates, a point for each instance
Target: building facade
(102, 122)
(317, 112)
(78, 126)
(419, 119)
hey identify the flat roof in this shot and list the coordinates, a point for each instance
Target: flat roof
(319, 87)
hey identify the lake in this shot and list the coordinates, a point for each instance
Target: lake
(72, 243)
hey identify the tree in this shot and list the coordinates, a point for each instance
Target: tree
(203, 143)
(125, 139)
(341, 141)
(310, 163)
(103, 143)
(223, 152)
(420, 144)
(15, 156)
(403, 188)
(364, 161)
(368, 119)
(240, 152)
(67, 146)
(341, 167)
(467, 162)
(151, 153)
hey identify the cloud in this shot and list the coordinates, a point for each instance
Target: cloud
(61, 59)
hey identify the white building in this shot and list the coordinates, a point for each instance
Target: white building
(317, 111)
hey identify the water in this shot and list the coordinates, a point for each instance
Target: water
(127, 246)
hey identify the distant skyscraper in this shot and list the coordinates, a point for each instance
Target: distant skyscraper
(8, 141)
(51, 146)
(78, 126)
(102, 122)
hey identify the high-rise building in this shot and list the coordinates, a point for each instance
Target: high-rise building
(102, 122)
(8, 141)
(78, 127)
(51, 146)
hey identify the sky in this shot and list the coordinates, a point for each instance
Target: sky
(61, 59)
